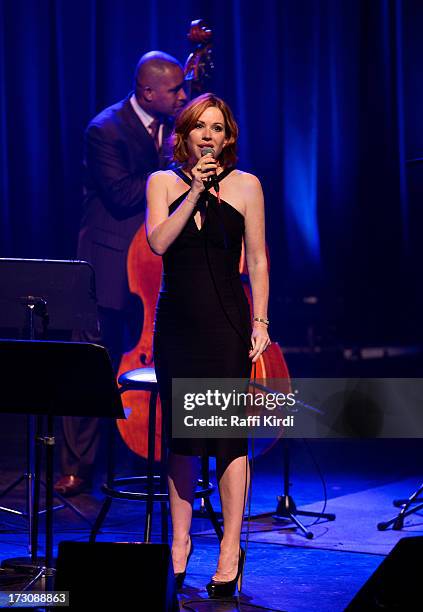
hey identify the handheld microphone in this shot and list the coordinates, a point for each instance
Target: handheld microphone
(212, 180)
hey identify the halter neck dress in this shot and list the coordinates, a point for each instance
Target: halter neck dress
(202, 323)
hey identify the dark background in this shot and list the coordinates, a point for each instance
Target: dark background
(328, 96)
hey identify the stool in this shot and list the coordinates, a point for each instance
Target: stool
(144, 379)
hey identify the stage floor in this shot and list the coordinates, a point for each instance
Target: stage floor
(284, 570)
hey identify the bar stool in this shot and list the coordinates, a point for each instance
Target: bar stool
(153, 486)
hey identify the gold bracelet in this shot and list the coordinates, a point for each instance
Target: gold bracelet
(260, 320)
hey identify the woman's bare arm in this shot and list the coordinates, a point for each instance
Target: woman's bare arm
(255, 249)
(163, 229)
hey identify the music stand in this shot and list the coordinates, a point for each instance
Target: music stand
(66, 379)
(48, 299)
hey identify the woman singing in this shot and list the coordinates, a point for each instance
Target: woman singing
(203, 327)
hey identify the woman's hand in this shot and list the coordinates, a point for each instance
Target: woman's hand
(260, 341)
(203, 169)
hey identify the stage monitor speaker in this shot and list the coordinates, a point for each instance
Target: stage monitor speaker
(116, 576)
(397, 582)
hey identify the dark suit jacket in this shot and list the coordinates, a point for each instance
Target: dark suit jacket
(119, 156)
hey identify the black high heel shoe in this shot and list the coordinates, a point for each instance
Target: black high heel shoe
(180, 576)
(217, 589)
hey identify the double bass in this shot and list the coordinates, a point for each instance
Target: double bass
(144, 276)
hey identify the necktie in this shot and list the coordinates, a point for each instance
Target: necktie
(154, 128)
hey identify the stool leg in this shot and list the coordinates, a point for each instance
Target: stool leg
(205, 477)
(111, 440)
(148, 520)
(150, 465)
(100, 518)
(213, 518)
(163, 489)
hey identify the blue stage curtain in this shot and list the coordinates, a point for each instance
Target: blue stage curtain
(328, 97)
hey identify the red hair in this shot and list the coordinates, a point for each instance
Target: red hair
(187, 119)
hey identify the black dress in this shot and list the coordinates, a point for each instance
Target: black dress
(202, 325)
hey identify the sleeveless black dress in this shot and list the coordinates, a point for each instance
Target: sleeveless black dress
(202, 324)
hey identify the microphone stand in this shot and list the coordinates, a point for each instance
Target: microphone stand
(286, 508)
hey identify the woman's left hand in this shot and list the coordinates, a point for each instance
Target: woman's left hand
(259, 340)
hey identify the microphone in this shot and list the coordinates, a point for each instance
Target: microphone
(212, 180)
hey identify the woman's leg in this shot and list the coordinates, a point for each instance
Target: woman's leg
(234, 481)
(183, 474)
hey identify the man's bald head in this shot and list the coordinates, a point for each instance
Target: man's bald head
(152, 67)
(159, 80)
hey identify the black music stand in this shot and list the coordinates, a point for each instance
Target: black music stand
(46, 299)
(66, 379)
